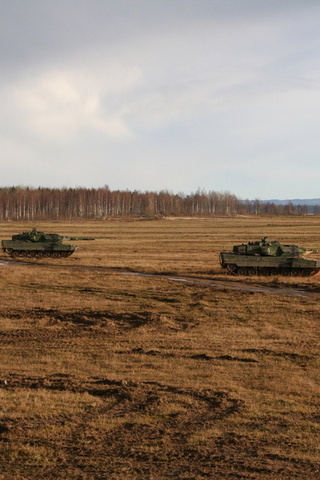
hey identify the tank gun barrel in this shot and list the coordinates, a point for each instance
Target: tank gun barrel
(311, 250)
(78, 238)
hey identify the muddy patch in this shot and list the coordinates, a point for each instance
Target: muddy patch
(292, 356)
(197, 356)
(105, 320)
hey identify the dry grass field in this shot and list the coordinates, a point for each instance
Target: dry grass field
(110, 375)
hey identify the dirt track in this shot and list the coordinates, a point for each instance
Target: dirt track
(224, 284)
(232, 285)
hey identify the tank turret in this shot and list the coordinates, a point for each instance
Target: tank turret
(266, 247)
(266, 257)
(39, 244)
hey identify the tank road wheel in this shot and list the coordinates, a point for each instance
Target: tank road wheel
(9, 251)
(307, 272)
(56, 254)
(252, 271)
(242, 271)
(39, 254)
(231, 267)
(285, 271)
(265, 271)
(274, 271)
(295, 273)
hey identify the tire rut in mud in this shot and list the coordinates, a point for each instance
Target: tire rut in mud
(135, 429)
(141, 431)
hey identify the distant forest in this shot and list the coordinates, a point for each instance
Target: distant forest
(26, 203)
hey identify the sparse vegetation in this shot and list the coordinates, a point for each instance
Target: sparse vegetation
(106, 374)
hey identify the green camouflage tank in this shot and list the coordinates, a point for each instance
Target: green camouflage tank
(39, 244)
(266, 257)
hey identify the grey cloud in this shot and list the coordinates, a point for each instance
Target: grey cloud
(35, 30)
(158, 94)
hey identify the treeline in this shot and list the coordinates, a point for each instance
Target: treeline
(26, 203)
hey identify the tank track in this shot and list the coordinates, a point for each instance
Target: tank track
(36, 254)
(271, 271)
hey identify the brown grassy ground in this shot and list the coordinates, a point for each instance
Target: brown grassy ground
(107, 375)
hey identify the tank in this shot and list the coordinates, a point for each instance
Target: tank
(39, 244)
(266, 257)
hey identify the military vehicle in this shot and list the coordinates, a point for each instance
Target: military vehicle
(267, 257)
(39, 244)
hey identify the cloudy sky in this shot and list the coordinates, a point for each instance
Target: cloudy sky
(219, 95)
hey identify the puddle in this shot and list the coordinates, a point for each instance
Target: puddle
(12, 262)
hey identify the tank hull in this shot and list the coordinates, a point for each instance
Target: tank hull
(16, 248)
(238, 264)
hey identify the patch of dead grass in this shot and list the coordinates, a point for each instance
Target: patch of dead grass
(112, 376)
